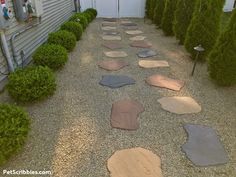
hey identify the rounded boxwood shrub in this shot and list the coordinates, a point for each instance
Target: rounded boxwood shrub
(31, 84)
(88, 16)
(94, 11)
(50, 55)
(73, 27)
(64, 38)
(158, 12)
(14, 128)
(80, 18)
(91, 14)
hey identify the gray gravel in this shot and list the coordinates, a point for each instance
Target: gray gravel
(71, 133)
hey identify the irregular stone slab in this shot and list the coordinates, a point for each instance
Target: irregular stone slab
(136, 162)
(116, 54)
(165, 82)
(137, 38)
(129, 24)
(204, 147)
(130, 27)
(112, 45)
(109, 24)
(153, 63)
(111, 38)
(133, 32)
(116, 81)
(112, 65)
(108, 28)
(125, 21)
(110, 19)
(114, 33)
(141, 44)
(147, 53)
(125, 113)
(180, 105)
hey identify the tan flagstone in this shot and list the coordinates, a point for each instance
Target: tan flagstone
(133, 32)
(111, 38)
(116, 54)
(137, 38)
(108, 28)
(153, 63)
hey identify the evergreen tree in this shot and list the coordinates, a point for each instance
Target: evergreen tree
(168, 17)
(204, 27)
(183, 16)
(147, 7)
(222, 59)
(152, 9)
(158, 12)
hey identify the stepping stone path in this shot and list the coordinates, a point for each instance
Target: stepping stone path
(109, 24)
(180, 105)
(136, 162)
(165, 82)
(110, 19)
(116, 81)
(129, 24)
(147, 53)
(130, 27)
(111, 33)
(116, 54)
(137, 38)
(125, 113)
(153, 63)
(111, 38)
(125, 21)
(112, 65)
(108, 28)
(112, 45)
(133, 32)
(204, 147)
(141, 44)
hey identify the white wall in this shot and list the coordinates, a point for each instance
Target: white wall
(229, 5)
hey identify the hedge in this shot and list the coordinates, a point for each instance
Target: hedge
(73, 27)
(158, 12)
(80, 18)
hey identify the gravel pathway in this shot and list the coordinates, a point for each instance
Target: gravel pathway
(71, 133)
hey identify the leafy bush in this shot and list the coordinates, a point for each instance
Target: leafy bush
(147, 8)
(73, 27)
(222, 59)
(88, 16)
(31, 84)
(50, 55)
(183, 16)
(14, 128)
(204, 26)
(158, 12)
(91, 14)
(168, 17)
(152, 9)
(80, 18)
(64, 38)
(94, 11)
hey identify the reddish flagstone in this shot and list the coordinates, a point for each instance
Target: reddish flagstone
(112, 65)
(112, 45)
(141, 44)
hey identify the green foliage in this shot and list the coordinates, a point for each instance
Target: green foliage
(64, 38)
(50, 55)
(147, 8)
(158, 12)
(31, 84)
(152, 9)
(205, 26)
(222, 59)
(94, 11)
(73, 27)
(80, 18)
(88, 16)
(168, 17)
(183, 16)
(14, 128)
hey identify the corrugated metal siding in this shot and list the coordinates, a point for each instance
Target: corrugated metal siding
(55, 13)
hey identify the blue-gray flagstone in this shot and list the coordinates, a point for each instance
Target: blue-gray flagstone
(116, 81)
(147, 53)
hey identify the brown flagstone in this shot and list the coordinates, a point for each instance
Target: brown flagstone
(112, 65)
(108, 28)
(116, 54)
(153, 63)
(141, 44)
(133, 32)
(112, 45)
(137, 38)
(111, 38)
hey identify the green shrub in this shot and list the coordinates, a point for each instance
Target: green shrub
(183, 16)
(158, 12)
(222, 59)
(73, 27)
(94, 11)
(204, 26)
(152, 9)
(50, 55)
(91, 14)
(64, 38)
(88, 16)
(31, 84)
(80, 18)
(168, 17)
(147, 8)
(14, 128)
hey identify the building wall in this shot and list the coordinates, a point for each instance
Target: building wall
(229, 5)
(55, 13)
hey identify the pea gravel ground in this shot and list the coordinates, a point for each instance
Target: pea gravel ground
(71, 133)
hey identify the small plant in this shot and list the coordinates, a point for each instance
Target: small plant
(14, 128)
(31, 84)
(50, 55)
(158, 12)
(73, 27)
(94, 11)
(64, 38)
(80, 18)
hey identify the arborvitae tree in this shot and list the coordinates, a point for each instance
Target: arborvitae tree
(147, 7)
(183, 16)
(205, 26)
(168, 17)
(222, 59)
(152, 9)
(158, 12)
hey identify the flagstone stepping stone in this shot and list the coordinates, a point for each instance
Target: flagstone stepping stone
(129, 24)
(111, 38)
(153, 63)
(130, 27)
(109, 24)
(133, 32)
(125, 21)
(116, 81)
(147, 53)
(141, 44)
(137, 38)
(116, 54)
(108, 28)
(112, 45)
(125, 113)
(165, 82)
(180, 105)
(136, 162)
(112, 65)
(110, 19)
(204, 147)
(114, 33)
